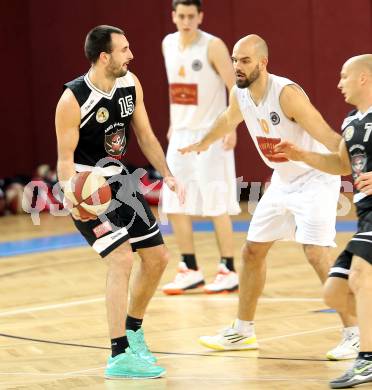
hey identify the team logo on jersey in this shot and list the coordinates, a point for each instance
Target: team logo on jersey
(196, 65)
(102, 115)
(275, 118)
(115, 143)
(348, 133)
(358, 164)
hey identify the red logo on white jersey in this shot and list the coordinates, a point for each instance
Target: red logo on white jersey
(186, 94)
(267, 145)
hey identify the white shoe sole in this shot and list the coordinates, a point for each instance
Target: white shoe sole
(345, 357)
(219, 347)
(134, 377)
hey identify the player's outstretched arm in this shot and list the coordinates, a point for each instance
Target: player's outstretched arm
(333, 163)
(220, 59)
(150, 145)
(225, 123)
(297, 106)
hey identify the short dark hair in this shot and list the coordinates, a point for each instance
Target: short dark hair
(197, 3)
(98, 40)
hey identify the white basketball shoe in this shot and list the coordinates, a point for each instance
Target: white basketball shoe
(229, 339)
(348, 347)
(225, 281)
(186, 279)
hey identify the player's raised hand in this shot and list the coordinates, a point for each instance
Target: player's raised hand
(177, 187)
(364, 183)
(197, 147)
(288, 150)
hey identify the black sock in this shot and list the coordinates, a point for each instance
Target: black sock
(229, 263)
(365, 356)
(189, 260)
(119, 345)
(133, 323)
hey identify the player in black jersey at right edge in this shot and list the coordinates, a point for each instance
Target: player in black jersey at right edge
(354, 156)
(92, 123)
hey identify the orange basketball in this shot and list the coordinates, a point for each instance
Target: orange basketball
(91, 194)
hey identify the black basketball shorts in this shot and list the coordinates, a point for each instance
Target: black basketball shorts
(360, 245)
(129, 217)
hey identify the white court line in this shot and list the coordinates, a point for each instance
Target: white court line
(266, 339)
(297, 334)
(86, 370)
(252, 378)
(47, 374)
(188, 298)
(266, 300)
(48, 307)
(81, 373)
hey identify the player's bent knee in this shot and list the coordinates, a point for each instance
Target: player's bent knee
(331, 297)
(328, 296)
(156, 257)
(355, 280)
(253, 253)
(314, 254)
(164, 258)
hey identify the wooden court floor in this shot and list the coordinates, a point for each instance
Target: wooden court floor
(53, 332)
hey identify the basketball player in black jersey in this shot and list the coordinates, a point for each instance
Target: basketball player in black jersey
(355, 157)
(93, 120)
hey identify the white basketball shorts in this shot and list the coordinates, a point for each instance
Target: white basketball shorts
(303, 212)
(208, 177)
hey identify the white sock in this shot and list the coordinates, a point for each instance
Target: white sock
(246, 328)
(352, 330)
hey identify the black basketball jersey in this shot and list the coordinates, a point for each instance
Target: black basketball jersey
(357, 129)
(105, 119)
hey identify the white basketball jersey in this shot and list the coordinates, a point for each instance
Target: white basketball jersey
(268, 125)
(197, 93)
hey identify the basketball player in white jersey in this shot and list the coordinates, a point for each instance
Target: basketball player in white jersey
(300, 203)
(199, 70)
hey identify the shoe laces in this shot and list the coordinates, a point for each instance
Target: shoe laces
(133, 354)
(140, 343)
(347, 337)
(219, 277)
(222, 273)
(228, 331)
(181, 274)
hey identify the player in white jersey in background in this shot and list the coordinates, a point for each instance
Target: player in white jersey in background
(300, 203)
(199, 70)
